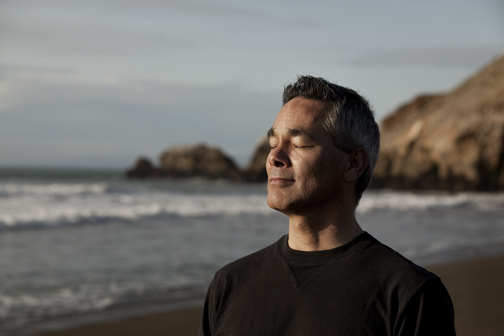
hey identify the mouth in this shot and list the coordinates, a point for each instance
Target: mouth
(280, 180)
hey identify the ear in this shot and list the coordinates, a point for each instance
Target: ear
(358, 160)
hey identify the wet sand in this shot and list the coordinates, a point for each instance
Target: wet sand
(476, 288)
(175, 323)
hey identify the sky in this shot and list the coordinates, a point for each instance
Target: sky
(98, 83)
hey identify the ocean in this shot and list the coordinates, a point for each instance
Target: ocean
(83, 246)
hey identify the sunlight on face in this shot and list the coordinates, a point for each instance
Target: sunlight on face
(304, 167)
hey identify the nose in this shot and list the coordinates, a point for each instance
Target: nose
(278, 157)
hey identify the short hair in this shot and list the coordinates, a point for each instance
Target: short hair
(349, 119)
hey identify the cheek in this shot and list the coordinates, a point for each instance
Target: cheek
(324, 171)
(309, 171)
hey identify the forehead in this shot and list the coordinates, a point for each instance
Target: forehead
(301, 111)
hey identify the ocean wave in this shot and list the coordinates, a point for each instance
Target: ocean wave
(410, 201)
(24, 308)
(50, 190)
(19, 308)
(32, 211)
(49, 204)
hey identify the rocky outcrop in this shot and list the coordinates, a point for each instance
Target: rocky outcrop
(143, 168)
(188, 161)
(450, 142)
(256, 169)
(198, 161)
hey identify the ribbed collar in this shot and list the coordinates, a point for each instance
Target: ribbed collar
(357, 243)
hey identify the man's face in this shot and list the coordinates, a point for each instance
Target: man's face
(305, 168)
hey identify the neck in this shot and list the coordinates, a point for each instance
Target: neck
(318, 232)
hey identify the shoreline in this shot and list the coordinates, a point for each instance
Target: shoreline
(475, 286)
(179, 322)
(117, 314)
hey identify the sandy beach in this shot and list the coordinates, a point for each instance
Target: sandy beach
(477, 291)
(476, 288)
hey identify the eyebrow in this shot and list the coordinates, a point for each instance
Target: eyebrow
(291, 131)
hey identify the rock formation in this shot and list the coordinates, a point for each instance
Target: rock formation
(198, 161)
(143, 169)
(450, 142)
(188, 161)
(256, 169)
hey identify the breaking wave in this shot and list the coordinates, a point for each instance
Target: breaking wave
(410, 201)
(28, 204)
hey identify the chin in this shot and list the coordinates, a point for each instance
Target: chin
(278, 203)
(274, 202)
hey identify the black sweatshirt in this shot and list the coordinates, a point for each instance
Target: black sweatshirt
(360, 288)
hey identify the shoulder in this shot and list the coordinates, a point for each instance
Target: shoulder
(391, 268)
(419, 298)
(391, 260)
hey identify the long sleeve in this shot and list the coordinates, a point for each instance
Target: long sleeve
(207, 319)
(429, 313)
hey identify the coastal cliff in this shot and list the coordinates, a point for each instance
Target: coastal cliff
(449, 142)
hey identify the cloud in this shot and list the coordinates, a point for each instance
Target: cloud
(74, 36)
(131, 27)
(461, 56)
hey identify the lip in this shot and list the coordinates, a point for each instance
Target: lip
(280, 180)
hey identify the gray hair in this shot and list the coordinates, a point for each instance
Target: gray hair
(349, 119)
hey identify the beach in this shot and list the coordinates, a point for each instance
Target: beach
(477, 291)
(476, 288)
(174, 323)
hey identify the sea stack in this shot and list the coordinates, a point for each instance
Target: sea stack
(186, 162)
(198, 161)
(143, 168)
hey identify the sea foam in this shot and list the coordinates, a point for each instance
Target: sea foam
(57, 204)
(43, 205)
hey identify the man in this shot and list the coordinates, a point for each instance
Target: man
(327, 276)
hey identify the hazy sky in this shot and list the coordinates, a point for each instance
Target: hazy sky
(99, 83)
